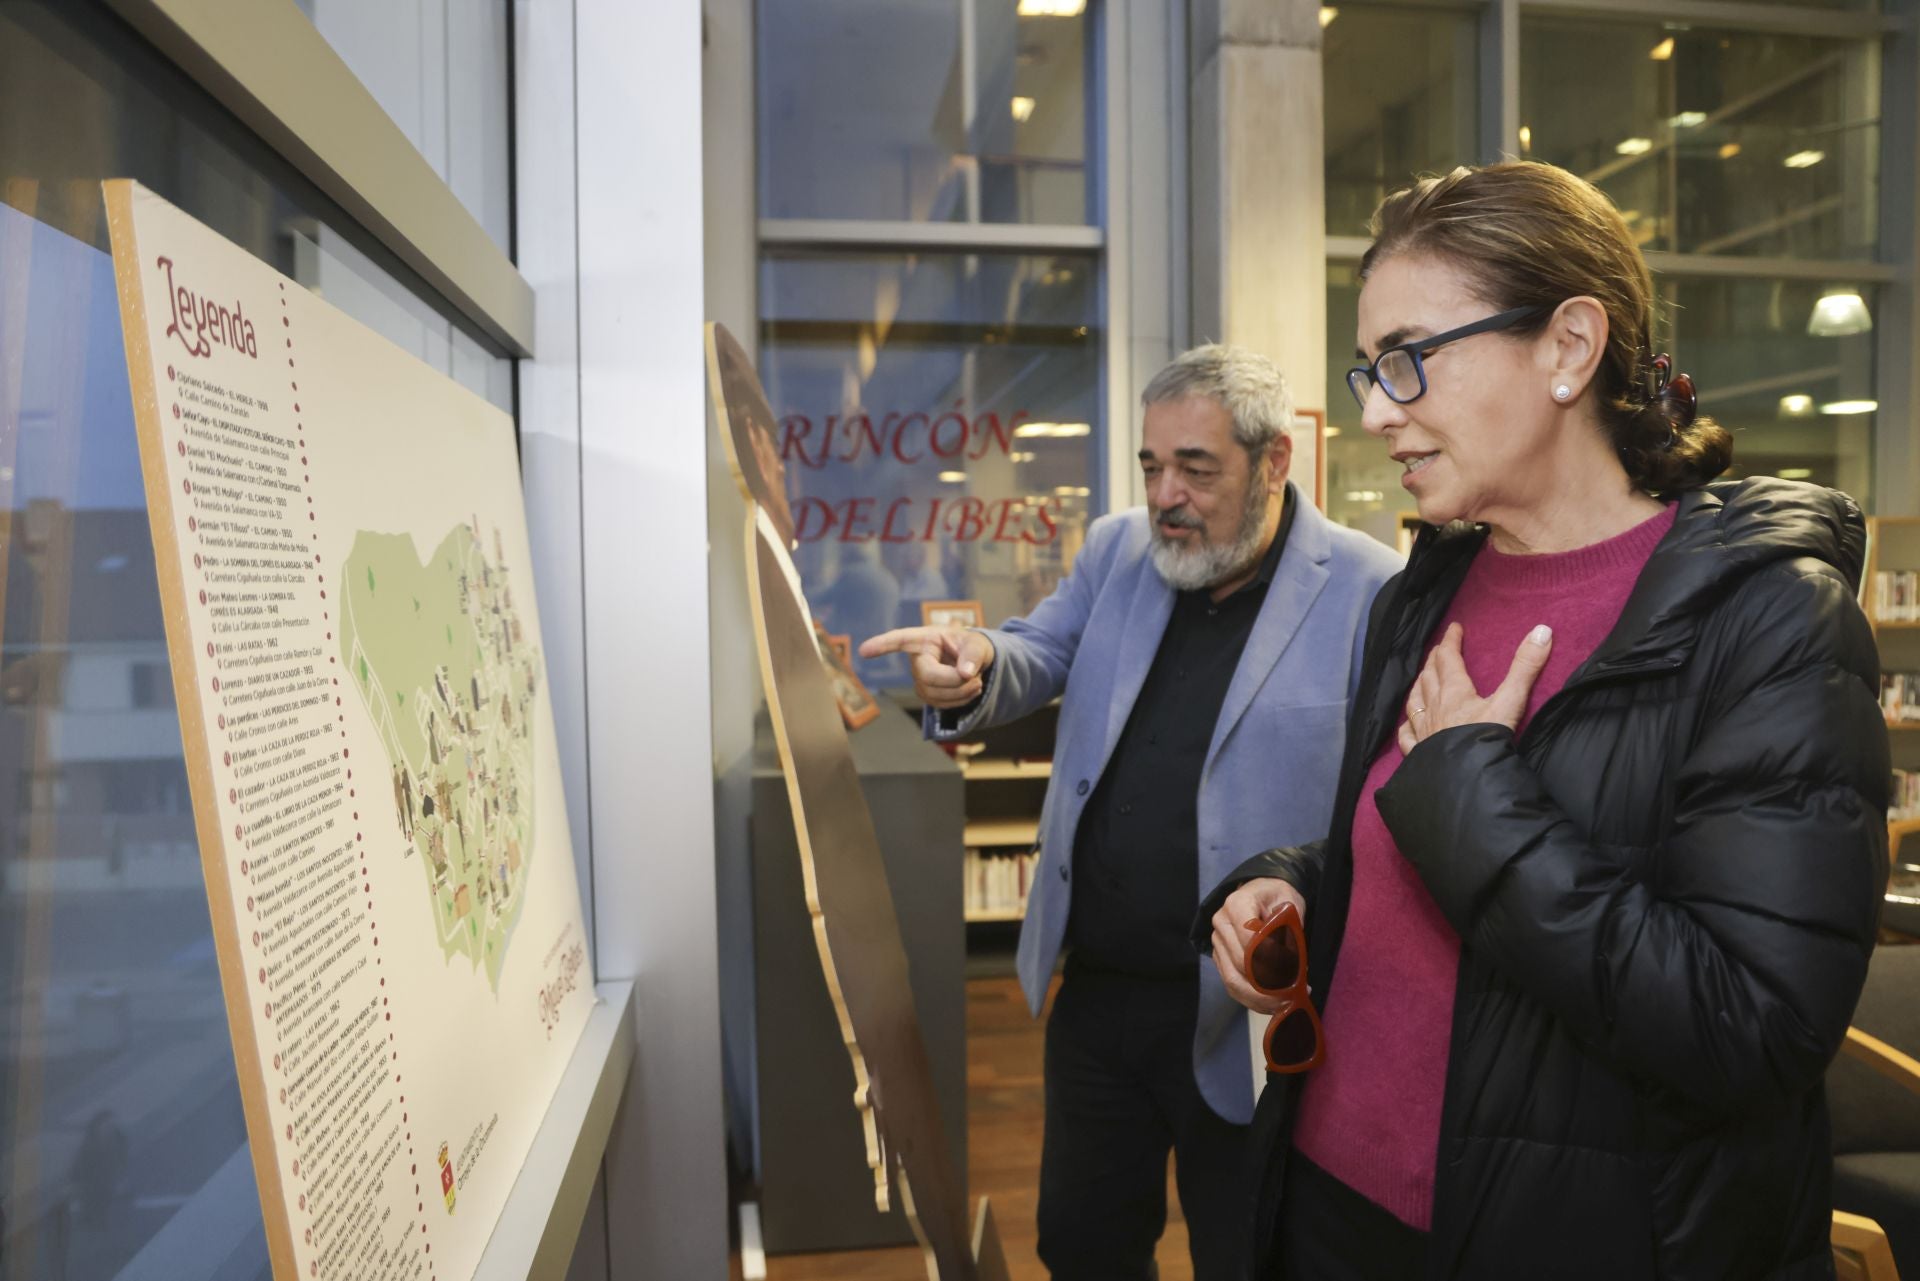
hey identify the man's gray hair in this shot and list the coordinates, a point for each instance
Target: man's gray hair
(1244, 383)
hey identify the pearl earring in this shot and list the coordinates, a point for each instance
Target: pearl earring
(1562, 392)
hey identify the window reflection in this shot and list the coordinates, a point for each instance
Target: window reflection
(1799, 404)
(440, 72)
(940, 416)
(1721, 142)
(117, 1068)
(935, 111)
(1401, 100)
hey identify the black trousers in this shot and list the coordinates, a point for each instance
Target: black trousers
(1329, 1232)
(1120, 1095)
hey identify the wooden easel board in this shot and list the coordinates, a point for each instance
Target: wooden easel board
(856, 929)
(357, 660)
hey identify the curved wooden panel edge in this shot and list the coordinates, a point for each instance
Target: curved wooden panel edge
(746, 423)
(809, 878)
(1902, 1069)
(1866, 1240)
(944, 1241)
(989, 1258)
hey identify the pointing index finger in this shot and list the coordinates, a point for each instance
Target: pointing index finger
(904, 640)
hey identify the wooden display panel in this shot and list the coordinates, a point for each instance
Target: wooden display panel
(357, 661)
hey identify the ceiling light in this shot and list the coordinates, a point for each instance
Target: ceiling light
(953, 477)
(1796, 406)
(1022, 456)
(1804, 159)
(1728, 150)
(1662, 51)
(1052, 8)
(1023, 109)
(1327, 14)
(1053, 429)
(1634, 146)
(1838, 407)
(1839, 312)
(1526, 137)
(1330, 432)
(1690, 120)
(1072, 491)
(1364, 495)
(1795, 473)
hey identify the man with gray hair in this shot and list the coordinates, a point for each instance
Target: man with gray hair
(1204, 650)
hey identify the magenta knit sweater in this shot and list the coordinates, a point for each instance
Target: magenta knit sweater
(1370, 1114)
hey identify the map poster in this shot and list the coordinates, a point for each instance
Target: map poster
(358, 665)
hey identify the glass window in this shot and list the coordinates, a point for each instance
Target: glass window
(123, 1148)
(125, 113)
(1363, 484)
(122, 1104)
(940, 419)
(1721, 142)
(440, 71)
(924, 110)
(1401, 100)
(1788, 367)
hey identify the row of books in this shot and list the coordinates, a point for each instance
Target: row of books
(1896, 596)
(1906, 794)
(1900, 695)
(997, 882)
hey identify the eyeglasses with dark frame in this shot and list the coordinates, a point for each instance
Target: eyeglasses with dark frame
(1401, 371)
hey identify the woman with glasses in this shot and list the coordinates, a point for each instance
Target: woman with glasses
(1610, 837)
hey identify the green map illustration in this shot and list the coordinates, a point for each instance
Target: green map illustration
(439, 656)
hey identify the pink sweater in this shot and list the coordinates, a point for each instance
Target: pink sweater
(1370, 1114)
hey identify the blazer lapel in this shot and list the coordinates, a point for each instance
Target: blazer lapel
(1297, 583)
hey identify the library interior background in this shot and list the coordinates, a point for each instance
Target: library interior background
(956, 238)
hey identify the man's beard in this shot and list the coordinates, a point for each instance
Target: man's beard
(1190, 569)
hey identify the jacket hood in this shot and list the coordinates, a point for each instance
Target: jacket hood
(1730, 530)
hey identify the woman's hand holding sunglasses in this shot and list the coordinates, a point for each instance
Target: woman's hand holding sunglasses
(1257, 900)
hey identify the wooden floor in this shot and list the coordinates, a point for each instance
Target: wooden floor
(1004, 1115)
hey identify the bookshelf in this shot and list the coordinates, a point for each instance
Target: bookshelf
(1004, 771)
(1890, 597)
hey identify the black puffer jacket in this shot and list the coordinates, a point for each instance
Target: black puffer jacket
(1666, 892)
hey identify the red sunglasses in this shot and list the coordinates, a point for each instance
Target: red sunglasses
(1277, 966)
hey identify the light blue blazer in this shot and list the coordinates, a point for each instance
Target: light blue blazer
(1271, 769)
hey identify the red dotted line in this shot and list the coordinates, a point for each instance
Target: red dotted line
(359, 838)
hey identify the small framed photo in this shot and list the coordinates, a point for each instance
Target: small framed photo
(855, 700)
(952, 613)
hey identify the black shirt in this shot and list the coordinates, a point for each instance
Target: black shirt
(1137, 850)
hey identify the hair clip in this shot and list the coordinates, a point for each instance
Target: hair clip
(1674, 392)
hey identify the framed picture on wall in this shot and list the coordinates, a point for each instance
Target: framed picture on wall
(856, 701)
(1309, 470)
(952, 613)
